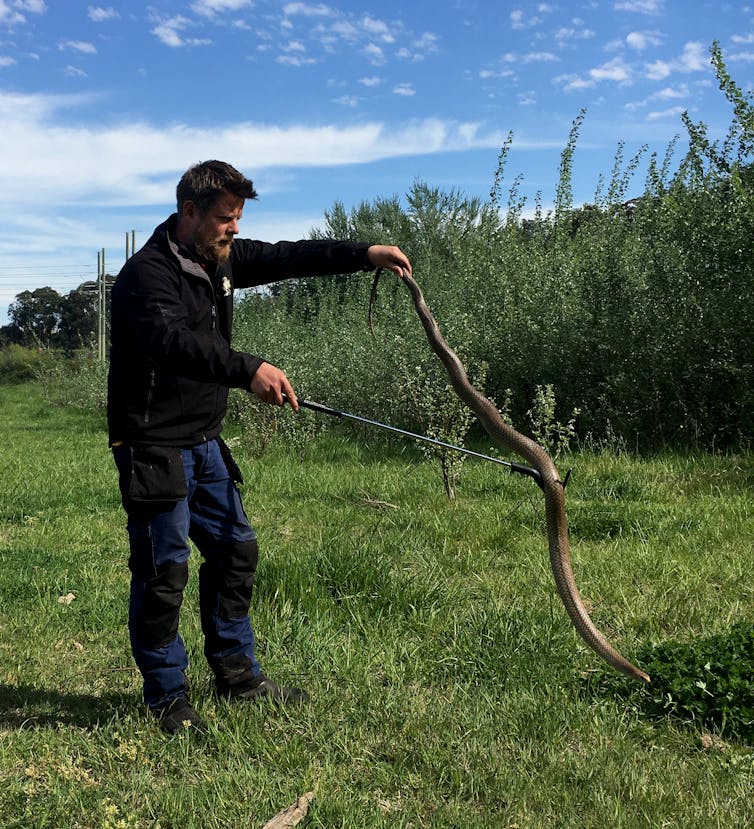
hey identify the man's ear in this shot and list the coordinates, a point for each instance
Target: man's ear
(189, 209)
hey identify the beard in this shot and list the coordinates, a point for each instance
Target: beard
(214, 249)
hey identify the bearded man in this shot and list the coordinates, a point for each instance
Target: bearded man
(171, 366)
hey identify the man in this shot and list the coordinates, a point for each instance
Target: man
(171, 365)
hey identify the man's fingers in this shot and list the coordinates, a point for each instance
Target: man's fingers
(289, 395)
(390, 257)
(272, 386)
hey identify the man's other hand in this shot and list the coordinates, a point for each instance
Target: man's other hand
(270, 385)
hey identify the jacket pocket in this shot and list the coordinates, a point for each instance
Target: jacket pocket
(155, 475)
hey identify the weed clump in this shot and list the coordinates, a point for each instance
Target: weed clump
(707, 683)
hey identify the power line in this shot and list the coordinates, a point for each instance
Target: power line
(46, 266)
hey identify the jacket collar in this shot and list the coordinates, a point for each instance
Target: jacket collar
(179, 251)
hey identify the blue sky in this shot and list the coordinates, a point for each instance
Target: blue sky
(104, 106)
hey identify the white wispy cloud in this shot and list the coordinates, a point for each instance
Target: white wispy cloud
(98, 14)
(328, 32)
(643, 40)
(78, 46)
(209, 8)
(539, 57)
(740, 56)
(294, 60)
(640, 6)
(126, 163)
(615, 70)
(516, 60)
(567, 34)
(169, 32)
(693, 58)
(9, 17)
(669, 93)
(405, 89)
(33, 6)
(425, 44)
(519, 20)
(665, 114)
(377, 29)
(487, 74)
(308, 10)
(375, 54)
(12, 13)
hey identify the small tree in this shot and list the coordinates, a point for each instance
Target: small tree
(37, 315)
(78, 318)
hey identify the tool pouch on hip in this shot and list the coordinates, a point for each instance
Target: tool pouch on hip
(155, 476)
(230, 464)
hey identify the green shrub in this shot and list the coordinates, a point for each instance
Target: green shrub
(636, 315)
(707, 683)
(79, 382)
(19, 364)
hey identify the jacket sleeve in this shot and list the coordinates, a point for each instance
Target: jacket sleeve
(154, 322)
(257, 263)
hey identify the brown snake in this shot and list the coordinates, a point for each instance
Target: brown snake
(552, 486)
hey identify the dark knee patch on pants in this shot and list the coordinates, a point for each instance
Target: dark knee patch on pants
(237, 584)
(229, 571)
(163, 594)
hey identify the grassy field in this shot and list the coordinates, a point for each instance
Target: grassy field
(449, 688)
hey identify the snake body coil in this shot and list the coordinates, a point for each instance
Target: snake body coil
(557, 528)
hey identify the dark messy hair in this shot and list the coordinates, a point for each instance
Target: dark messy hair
(204, 182)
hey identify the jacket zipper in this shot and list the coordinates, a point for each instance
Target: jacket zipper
(150, 392)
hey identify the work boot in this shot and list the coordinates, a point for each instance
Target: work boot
(178, 716)
(260, 689)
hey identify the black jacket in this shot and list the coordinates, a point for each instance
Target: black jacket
(171, 363)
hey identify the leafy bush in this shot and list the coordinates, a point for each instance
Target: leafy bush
(79, 382)
(637, 315)
(708, 683)
(19, 364)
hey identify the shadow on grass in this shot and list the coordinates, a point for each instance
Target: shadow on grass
(27, 706)
(706, 683)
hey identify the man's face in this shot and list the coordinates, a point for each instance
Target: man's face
(214, 230)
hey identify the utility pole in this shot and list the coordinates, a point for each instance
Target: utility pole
(133, 244)
(102, 289)
(102, 305)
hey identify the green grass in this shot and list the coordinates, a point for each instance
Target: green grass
(449, 689)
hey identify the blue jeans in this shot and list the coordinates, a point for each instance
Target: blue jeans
(212, 516)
